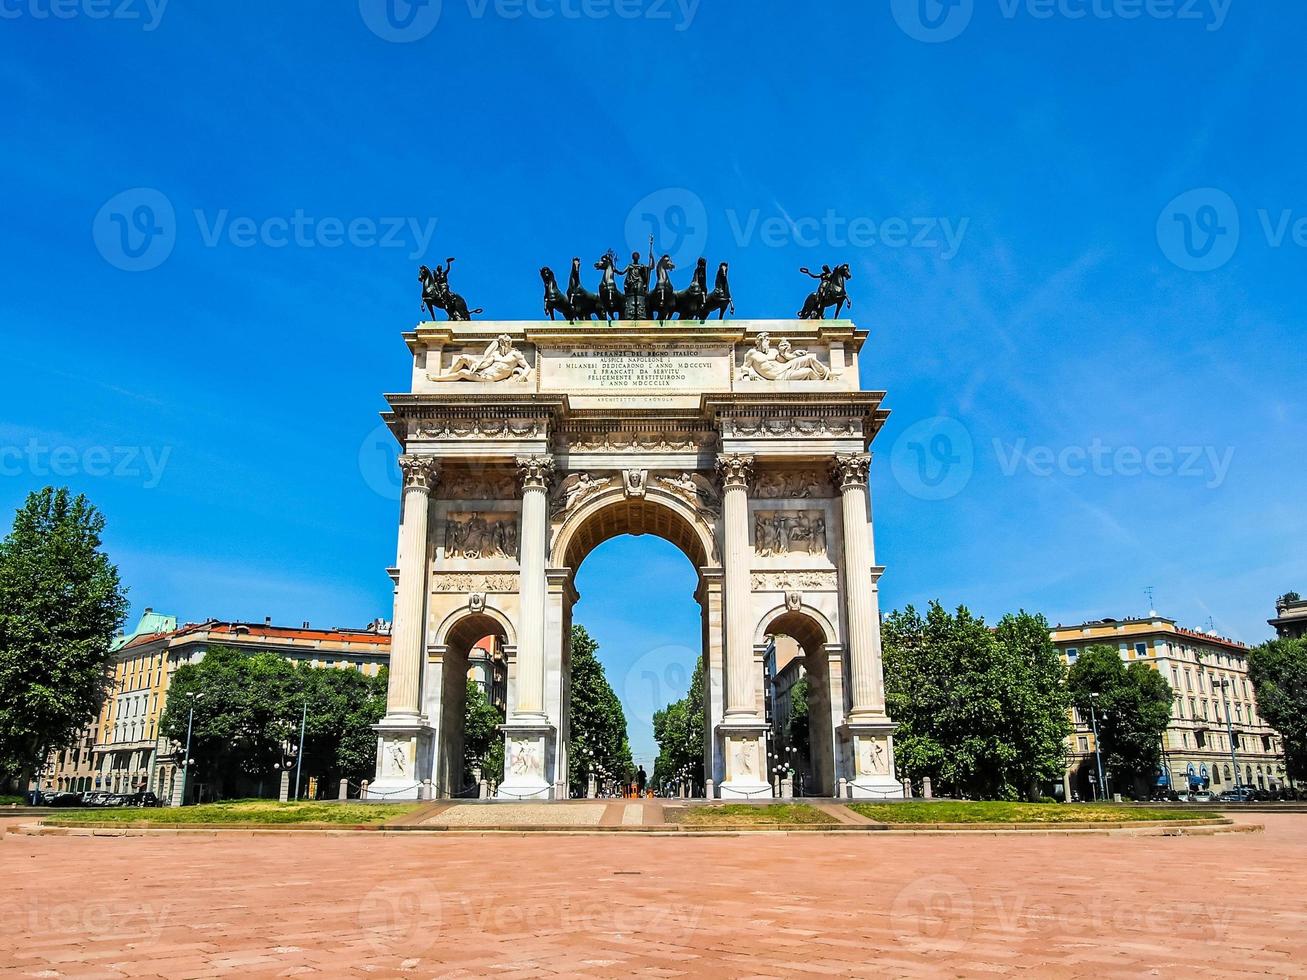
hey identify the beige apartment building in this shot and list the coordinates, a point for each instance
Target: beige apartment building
(123, 750)
(1216, 738)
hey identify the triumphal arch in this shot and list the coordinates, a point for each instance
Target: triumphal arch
(526, 444)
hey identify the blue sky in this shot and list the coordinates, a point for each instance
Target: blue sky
(1075, 242)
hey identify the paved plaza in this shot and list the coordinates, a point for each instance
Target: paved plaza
(518, 905)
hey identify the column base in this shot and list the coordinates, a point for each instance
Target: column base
(528, 746)
(405, 756)
(871, 745)
(744, 754)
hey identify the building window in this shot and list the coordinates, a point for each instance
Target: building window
(1175, 678)
(1141, 649)
(1071, 654)
(1084, 744)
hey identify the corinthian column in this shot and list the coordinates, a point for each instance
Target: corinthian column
(535, 473)
(421, 474)
(850, 475)
(735, 470)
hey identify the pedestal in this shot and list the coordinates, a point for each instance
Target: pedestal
(744, 754)
(404, 751)
(527, 746)
(872, 751)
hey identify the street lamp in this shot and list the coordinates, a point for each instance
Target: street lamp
(1223, 683)
(191, 698)
(1098, 751)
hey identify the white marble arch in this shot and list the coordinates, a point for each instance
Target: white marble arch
(674, 441)
(823, 660)
(598, 519)
(444, 687)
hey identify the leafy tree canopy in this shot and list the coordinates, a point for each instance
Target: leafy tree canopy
(598, 723)
(248, 708)
(1278, 670)
(61, 605)
(483, 742)
(983, 712)
(1132, 704)
(679, 732)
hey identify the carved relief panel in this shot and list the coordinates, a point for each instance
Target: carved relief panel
(777, 533)
(481, 535)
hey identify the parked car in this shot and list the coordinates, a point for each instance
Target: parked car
(143, 798)
(1240, 794)
(63, 799)
(1202, 796)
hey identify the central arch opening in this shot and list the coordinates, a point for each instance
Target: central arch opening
(636, 574)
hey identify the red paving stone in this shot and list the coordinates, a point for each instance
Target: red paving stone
(759, 906)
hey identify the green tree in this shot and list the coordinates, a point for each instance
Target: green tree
(61, 605)
(679, 731)
(483, 742)
(598, 724)
(1133, 707)
(982, 712)
(248, 708)
(1278, 670)
(342, 707)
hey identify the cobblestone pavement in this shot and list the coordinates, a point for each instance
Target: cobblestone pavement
(620, 905)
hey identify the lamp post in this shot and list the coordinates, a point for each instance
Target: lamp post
(191, 698)
(1098, 751)
(1223, 683)
(299, 755)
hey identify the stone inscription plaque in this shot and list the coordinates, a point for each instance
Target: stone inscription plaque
(670, 369)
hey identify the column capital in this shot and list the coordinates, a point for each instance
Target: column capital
(535, 472)
(420, 472)
(735, 469)
(849, 470)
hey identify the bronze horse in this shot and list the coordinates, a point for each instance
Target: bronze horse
(584, 303)
(719, 300)
(611, 299)
(663, 297)
(554, 298)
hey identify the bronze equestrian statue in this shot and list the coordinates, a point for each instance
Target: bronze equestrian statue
(554, 298)
(436, 294)
(830, 292)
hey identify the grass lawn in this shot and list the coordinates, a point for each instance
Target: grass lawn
(947, 811)
(242, 812)
(12, 800)
(753, 815)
